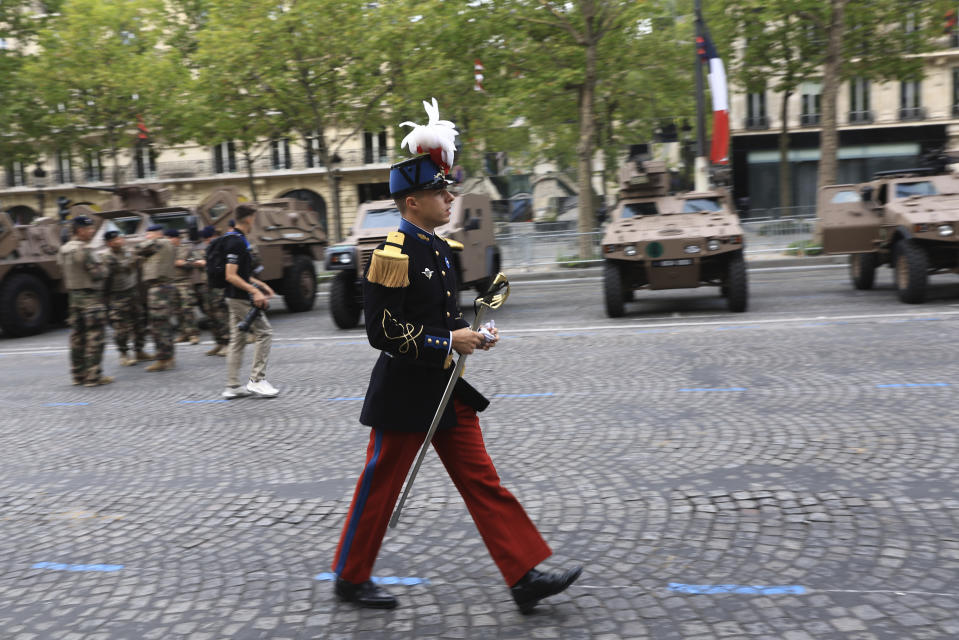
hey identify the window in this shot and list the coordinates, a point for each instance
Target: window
(955, 92)
(379, 218)
(374, 147)
(64, 167)
(859, 101)
(145, 159)
(695, 205)
(224, 157)
(910, 100)
(845, 197)
(93, 166)
(756, 111)
(280, 154)
(907, 189)
(313, 158)
(810, 99)
(16, 174)
(638, 209)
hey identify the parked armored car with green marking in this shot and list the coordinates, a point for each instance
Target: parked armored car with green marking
(657, 240)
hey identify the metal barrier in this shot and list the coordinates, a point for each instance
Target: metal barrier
(522, 246)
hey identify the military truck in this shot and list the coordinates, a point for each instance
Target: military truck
(286, 234)
(907, 219)
(655, 240)
(31, 286)
(469, 232)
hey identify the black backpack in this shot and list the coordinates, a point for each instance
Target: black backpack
(216, 265)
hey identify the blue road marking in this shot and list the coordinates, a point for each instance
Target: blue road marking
(329, 577)
(913, 385)
(57, 566)
(345, 399)
(714, 389)
(736, 588)
(66, 404)
(202, 401)
(524, 395)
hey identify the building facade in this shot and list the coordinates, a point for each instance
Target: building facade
(882, 126)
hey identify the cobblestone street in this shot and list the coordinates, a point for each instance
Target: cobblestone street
(787, 473)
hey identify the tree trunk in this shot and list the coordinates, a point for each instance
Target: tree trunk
(584, 153)
(832, 68)
(248, 158)
(785, 170)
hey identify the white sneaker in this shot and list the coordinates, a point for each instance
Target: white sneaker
(262, 388)
(235, 392)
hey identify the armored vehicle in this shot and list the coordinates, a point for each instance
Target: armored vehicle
(655, 240)
(286, 234)
(470, 233)
(908, 219)
(31, 286)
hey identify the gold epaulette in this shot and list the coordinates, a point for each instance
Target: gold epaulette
(454, 245)
(389, 266)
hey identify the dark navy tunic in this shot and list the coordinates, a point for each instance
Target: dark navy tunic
(411, 326)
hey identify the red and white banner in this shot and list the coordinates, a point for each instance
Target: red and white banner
(719, 151)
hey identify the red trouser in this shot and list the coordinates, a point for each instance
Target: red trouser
(511, 538)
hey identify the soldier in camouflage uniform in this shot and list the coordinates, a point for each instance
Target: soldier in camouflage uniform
(210, 292)
(83, 275)
(185, 295)
(158, 274)
(123, 300)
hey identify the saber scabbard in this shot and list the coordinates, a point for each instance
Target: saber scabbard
(492, 299)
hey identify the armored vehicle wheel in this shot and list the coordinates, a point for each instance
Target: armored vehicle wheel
(862, 269)
(24, 305)
(299, 284)
(912, 271)
(343, 305)
(613, 289)
(737, 288)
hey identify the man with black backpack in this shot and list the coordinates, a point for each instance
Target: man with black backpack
(212, 294)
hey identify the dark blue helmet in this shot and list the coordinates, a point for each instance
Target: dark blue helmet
(416, 174)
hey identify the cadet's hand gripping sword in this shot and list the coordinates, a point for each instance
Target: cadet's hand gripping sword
(494, 298)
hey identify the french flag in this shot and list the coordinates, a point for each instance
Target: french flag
(719, 151)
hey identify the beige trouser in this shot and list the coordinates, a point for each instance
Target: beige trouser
(263, 335)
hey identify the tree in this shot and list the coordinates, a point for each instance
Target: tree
(775, 52)
(564, 39)
(93, 82)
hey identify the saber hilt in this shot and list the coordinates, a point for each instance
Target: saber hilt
(494, 298)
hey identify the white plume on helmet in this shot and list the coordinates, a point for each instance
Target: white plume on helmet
(436, 137)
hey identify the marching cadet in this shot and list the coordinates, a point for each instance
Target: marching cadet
(158, 273)
(123, 300)
(185, 263)
(83, 275)
(412, 317)
(211, 296)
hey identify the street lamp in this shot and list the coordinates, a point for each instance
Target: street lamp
(39, 181)
(335, 162)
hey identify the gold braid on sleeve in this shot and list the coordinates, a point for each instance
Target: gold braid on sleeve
(404, 332)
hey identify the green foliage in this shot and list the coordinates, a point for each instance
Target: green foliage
(803, 248)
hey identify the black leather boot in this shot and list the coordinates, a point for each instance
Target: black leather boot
(536, 585)
(365, 594)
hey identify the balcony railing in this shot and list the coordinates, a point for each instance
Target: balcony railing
(860, 117)
(809, 119)
(754, 123)
(912, 113)
(200, 168)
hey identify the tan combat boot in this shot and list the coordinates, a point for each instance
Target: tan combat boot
(194, 340)
(215, 350)
(99, 381)
(143, 356)
(161, 365)
(127, 361)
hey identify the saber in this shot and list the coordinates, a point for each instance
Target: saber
(494, 298)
